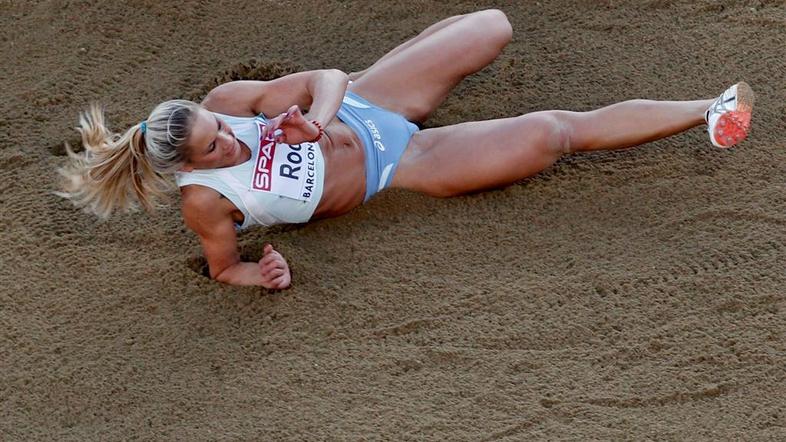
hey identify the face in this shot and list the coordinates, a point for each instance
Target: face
(212, 144)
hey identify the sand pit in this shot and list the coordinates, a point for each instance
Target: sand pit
(628, 295)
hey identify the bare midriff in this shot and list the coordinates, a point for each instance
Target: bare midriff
(344, 187)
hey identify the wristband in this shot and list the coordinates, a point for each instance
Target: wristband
(321, 131)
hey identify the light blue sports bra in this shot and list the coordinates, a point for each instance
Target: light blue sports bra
(280, 184)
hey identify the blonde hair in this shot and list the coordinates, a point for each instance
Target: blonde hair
(123, 171)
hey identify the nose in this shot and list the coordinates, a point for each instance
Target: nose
(229, 142)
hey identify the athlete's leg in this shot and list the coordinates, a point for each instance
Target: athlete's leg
(474, 156)
(425, 33)
(416, 79)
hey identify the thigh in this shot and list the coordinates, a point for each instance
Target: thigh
(423, 34)
(416, 79)
(480, 155)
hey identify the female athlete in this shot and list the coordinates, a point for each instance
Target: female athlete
(249, 155)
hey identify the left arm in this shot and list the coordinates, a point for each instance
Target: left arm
(319, 91)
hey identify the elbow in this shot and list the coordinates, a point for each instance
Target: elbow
(336, 74)
(219, 94)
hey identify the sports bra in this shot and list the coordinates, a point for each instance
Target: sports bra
(281, 183)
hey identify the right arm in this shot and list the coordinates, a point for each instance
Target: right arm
(211, 220)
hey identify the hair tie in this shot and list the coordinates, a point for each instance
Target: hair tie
(143, 127)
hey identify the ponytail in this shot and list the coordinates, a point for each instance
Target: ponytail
(125, 171)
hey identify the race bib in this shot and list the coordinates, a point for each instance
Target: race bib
(288, 170)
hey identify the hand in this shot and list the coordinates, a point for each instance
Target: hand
(274, 269)
(294, 127)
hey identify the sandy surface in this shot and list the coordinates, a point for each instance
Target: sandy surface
(629, 295)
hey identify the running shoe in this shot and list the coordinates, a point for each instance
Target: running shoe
(729, 116)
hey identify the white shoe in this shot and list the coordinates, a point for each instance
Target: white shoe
(729, 116)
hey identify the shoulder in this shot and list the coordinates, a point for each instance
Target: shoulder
(234, 98)
(203, 207)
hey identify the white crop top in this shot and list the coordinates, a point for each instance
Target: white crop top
(280, 184)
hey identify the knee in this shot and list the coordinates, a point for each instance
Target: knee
(495, 26)
(553, 133)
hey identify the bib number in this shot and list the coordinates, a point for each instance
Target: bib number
(287, 170)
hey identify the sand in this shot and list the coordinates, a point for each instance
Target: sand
(634, 295)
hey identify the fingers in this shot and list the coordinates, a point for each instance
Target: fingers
(294, 110)
(274, 269)
(269, 267)
(275, 273)
(293, 116)
(281, 282)
(285, 117)
(278, 134)
(288, 127)
(271, 129)
(276, 278)
(271, 256)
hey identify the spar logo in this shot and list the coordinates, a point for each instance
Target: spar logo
(286, 170)
(262, 178)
